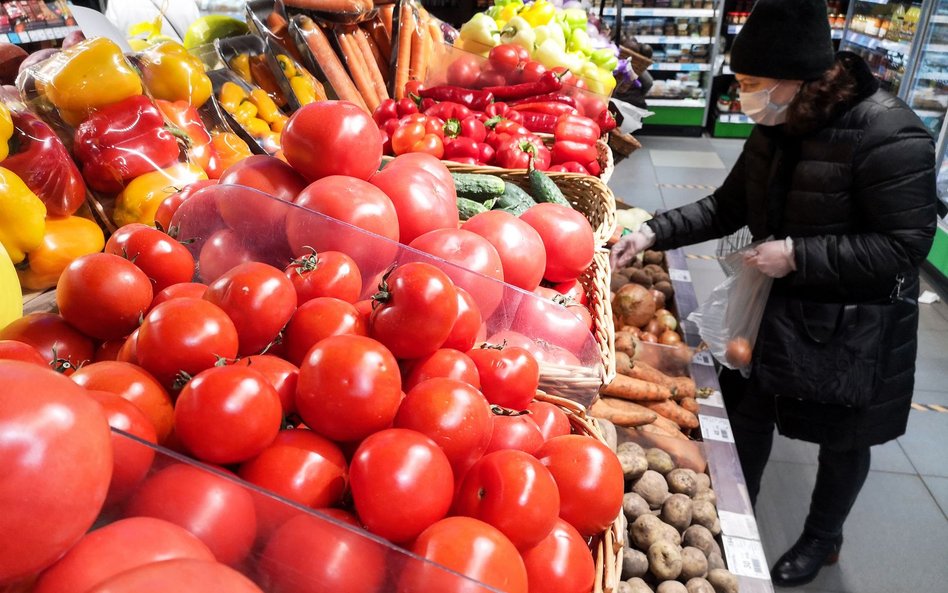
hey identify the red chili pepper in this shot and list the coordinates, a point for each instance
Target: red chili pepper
(606, 121)
(539, 123)
(476, 100)
(569, 167)
(462, 147)
(448, 111)
(548, 107)
(518, 152)
(549, 82)
(550, 97)
(185, 116)
(387, 109)
(123, 141)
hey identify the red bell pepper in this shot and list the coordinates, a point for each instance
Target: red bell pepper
(570, 167)
(575, 139)
(547, 107)
(462, 148)
(469, 127)
(548, 98)
(539, 123)
(474, 100)
(503, 110)
(447, 110)
(518, 152)
(406, 106)
(487, 153)
(123, 141)
(549, 82)
(419, 133)
(40, 159)
(606, 121)
(594, 167)
(185, 116)
(385, 111)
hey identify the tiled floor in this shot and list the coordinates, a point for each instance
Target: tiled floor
(897, 534)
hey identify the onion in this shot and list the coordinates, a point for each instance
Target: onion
(659, 297)
(667, 319)
(739, 353)
(633, 305)
(654, 327)
(647, 337)
(669, 338)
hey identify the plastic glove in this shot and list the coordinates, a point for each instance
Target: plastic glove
(631, 245)
(773, 258)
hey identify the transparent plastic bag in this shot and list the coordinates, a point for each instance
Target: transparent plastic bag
(729, 319)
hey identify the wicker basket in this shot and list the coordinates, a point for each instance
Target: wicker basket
(607, 546)
(606, 160)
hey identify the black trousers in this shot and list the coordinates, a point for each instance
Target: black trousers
(840, 475)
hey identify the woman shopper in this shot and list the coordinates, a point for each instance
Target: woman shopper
(838, 182)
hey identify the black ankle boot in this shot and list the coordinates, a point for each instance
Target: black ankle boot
(800, 564)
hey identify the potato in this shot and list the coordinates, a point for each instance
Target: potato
(652, 487)
(635, 585)
(617, 281)
(698, 585)
(624, 587)
(653, 257)
(640, 277)
(609, 433)
(634, 563)
(722, 581)
(703, 480)
(671, 587)
(682, 481)
(664, 560)
(632, 446)
(666, 289)
(677, 511)
(693, 563)
(634, 506)
(715, 560)
(706, 494)
(648, 529)
(634, 465)
(659, 461)
(704, 513)
(698, 536)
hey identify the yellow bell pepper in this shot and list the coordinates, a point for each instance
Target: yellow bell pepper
(66, 239)
(89, 75)
(172, 73)
(22, 216)
(140, 199)
(11, 295)
(6, 131)
(539, 13)
(240, 64)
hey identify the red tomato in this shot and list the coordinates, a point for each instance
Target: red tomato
(313, 555)
(416, 312)
(552, 421)
(544, 318)
(532, 71)
(589, 478)
(420, 160)
(267, 174)
(117, 547)
(131, 459)
(507, 56)
(134, 384)
(327, 274)
(452, 414)
(216, 509)
(316, 320)
(470, 547)
(259, 299)
(519, 246)
(227, 414)
(281, 374)
(514, 430)
(562, 562)
(14, 350)
(567, 238)
(222, 252)
(103, 296)
(422, 201)
(471, 253)
(467, 325)
(447, 363)
(56, 461)
(164, 260)
(193, 290)
(512, 491)
(364, 307)
(573, 289)
(349, 387)
(509, 375)
(181, 575)
(129, 350)
(405, 470)
(109, 350)
(489, 77)
(332, 138)
(258, 219)
(170, 205)
(463, 71)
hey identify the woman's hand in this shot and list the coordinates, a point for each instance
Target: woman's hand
(772, 258)
(625, 250)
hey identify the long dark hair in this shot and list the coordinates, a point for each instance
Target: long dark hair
(820, 101)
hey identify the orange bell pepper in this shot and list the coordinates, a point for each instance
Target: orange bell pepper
(66, 238)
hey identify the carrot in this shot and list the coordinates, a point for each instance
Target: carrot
(690, 404)
(375, 75)
(657, 428)
(380, 60)
(403, 47)
(417, 56)
(329, 62)
(621, 412)
(276, 23)
(675, 413)
(646, 372)
(683, 387)
(358, 69)
(637, 390)
(387, 13)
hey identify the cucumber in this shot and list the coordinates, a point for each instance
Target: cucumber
(469, 208)
(514, 200)
(479, 188)
(544, 190)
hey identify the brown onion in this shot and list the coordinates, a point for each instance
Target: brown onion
(647, 337)
(669, 338)
(654, 327)
(739, 353)
(659, 297)
(633, 305)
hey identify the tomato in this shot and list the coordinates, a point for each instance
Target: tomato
(56, 341)
(131, 459)
(422, 201)
(470, 253)
(313, 555)
(267, 174)
(405, 470)
(316, 320)
(258, 219)
(532, 71)
(349, 387)
(227, 414)
(181, 575)
(281, 374)
(134, 384)
(552, 421)
(170, 205)
(452, 414)
(573, 290)
(447, 363)
(117, 547)
(418, 306)
(14, 350)
(108, 350)
(184, 335)
(326, 274)
(428, 163)
(163, 260)
(507, 56)
(222, 252)
(544, 318)
(103, 296)
(216, 509)
(562, 562)
(489, 77)
(321, 138)
(364, 307)
(470, 547)
(258, 298)
(463, 71)
(512, 491)
(467, 325)
(519, 246)
(514, 430)
(56, 461)
(192, 290)
(509, 376)
(589, 478)
(567, 238)
(300, 466)
(414, 137)
(129, 350)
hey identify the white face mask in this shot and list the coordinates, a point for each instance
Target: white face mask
(759, 107)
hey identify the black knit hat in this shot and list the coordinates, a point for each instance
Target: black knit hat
(784, 39)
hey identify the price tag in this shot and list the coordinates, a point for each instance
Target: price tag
(739, 525)
(679, 275)
(704, 357)
(715, 400)
(745, 558)
(715, 429)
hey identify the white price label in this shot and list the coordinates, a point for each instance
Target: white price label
(745, 557)
(715, 400)
(679, 275)
(739, 525)
(704, 357)
(715, 429)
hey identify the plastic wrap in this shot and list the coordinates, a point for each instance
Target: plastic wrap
(321, 60)
(249, 111)
(416, 41)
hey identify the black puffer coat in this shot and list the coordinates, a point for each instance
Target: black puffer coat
(858, 199)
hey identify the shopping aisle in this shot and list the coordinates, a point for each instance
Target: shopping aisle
(897, 535)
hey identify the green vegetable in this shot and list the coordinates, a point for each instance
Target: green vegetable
(479, 188)
(544, 189)
(514, 200)
(469, 208)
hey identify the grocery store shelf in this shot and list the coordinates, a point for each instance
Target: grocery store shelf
(726, 70)
(47, 34)
(940, 19)
(873, 1)
(735, 118)
(937, 48)
(676, 12)
(935, 76)
(656, 102)
(676, 67)
(674, 40)
(735, 29)
(876, 44)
